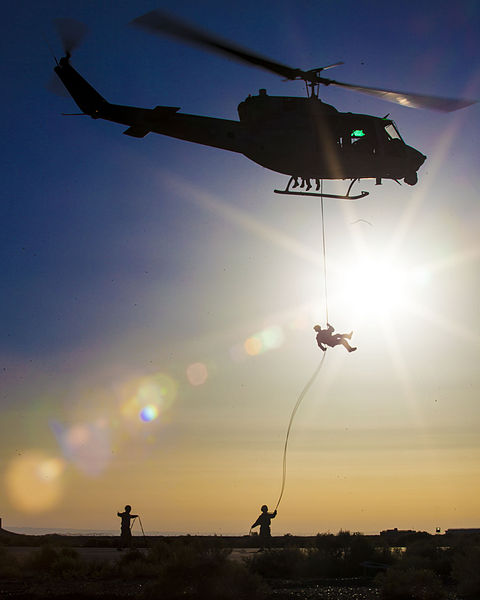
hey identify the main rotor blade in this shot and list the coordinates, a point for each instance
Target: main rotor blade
(71, 33)
(407, 98)
(337, 64)
(158, 22)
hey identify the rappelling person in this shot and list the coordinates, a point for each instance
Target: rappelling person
(325, 337)
(125, 531)
(264, 521)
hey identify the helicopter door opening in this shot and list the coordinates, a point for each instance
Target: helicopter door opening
(363, 141)
(358, 141)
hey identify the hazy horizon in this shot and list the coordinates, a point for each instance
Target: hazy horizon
(136, 531)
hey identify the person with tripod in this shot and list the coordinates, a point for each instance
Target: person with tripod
(125, 531)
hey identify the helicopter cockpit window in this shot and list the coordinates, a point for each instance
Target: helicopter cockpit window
(392, 132)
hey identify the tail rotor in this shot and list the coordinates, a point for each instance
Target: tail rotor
(71, 33)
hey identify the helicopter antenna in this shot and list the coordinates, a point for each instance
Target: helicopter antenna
(47, 43)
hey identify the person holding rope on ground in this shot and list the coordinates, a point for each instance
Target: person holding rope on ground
(325, 338)
(264, 521)
(125, 531)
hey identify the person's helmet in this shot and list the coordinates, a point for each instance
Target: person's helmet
(128, 508)
(264, 508)
(317, 328)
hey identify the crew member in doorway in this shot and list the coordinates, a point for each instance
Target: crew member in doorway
(326, 337)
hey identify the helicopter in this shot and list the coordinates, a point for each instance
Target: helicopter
(301, 137)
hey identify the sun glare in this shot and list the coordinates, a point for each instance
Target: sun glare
(379, 287)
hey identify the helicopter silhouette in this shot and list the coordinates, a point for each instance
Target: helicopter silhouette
(301, 137)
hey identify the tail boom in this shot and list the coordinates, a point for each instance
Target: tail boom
(209, 131)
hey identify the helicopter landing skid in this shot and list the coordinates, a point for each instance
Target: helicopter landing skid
(321, 195)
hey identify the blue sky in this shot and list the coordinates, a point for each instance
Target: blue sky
(123, 259)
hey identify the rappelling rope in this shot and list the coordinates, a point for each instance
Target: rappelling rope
(292, 416)
(324, 254)
(317, 370)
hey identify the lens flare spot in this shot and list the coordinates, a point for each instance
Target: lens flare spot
(159, 389)
(267, 339)
(87, 446)
(149, 413)
(272, 337)
(143, 399)
(197, 373)
(77, 436)
(33, 482)
(51, 468)
(253, 345)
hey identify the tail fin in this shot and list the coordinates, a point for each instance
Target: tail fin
(85, 96)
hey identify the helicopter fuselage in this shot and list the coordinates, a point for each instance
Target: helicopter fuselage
(299, 137)
(308, 138)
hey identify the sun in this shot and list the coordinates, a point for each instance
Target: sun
(379, 287)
